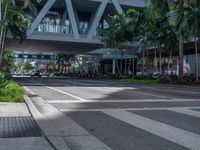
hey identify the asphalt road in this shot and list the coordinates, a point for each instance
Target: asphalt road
(127, 116)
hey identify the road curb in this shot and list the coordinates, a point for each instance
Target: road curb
(56, 142)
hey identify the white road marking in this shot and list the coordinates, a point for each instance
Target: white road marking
(186, 112)
(122, 101)
(66, 93)
(147, 94)
(173, 134)
(189, 92)
(76, 97)
(169, 89)
(113, 88)
(128, 109)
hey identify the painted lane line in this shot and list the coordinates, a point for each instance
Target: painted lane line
(186, 112)
(76, 97)
(122, 101)
(189, 92)
(173, 134)
(159, 96)
(168, 89)
(131, 88)
(66, 93)
(127, 109)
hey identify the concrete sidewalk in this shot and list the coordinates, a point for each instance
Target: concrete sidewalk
(18, 130)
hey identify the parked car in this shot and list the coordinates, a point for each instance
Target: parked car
(36, 74)
(45, 74)
(17, 74)
(156, 75)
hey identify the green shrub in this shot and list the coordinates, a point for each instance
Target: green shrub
(12, 92)
(3, 80)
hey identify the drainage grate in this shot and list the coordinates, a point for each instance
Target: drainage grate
(11, 127)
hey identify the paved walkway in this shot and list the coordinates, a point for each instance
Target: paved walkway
(18, 130)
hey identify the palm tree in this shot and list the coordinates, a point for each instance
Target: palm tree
(178, 17)
(113, 37)
(122, 32)
(111, 40)
(62, 60)
(194, 24)
(10, 60)
(185, 15)
(160, 25)
(151, 32)
(13, 18)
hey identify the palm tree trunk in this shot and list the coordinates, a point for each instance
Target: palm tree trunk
(196, 62)
(155, 59)
(181, 53)
(170, 58)
(134, 69)
(118, 68)
(129, 65)
(121, 62)
(2, 49)
(2, 37)
(117, 65)
(143, 63)
(160, 59)
(125, 71)
(147, 62)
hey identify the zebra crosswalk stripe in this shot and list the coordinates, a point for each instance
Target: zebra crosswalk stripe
(173, 134)
(186, 111)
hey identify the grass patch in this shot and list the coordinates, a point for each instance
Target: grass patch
(10, 91)
(148, 81)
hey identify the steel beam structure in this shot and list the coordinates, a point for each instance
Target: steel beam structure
(72, 18)
(74, 41)
(97, 19)
(40, 16)
(117, 6)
